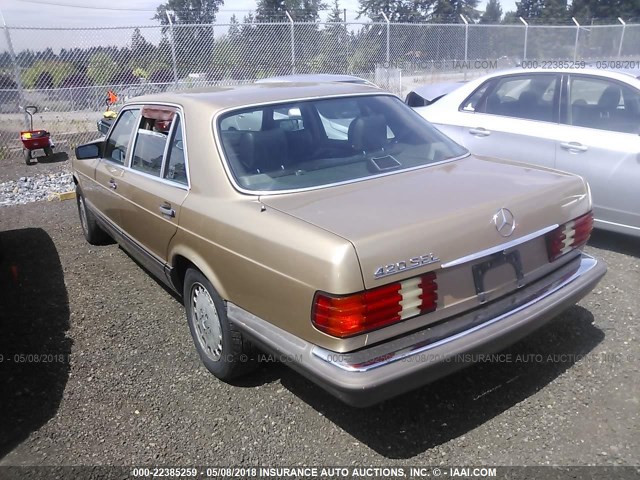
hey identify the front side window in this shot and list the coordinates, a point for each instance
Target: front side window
(529, 97)
(315, 143)
(118, 142)
(603, 104)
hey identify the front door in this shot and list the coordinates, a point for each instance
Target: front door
(108, 197)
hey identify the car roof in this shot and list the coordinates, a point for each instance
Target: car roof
(600, 72)
(221, 98)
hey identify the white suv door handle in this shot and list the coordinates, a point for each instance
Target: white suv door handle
(574, 147)
(479, 132)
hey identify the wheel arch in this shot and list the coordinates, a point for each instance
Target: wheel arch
(183, 259)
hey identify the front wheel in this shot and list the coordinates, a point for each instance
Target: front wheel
(221, 346)
(48, 151)
(90, 228)
(27, 156)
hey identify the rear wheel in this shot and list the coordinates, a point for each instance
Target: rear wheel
(90, 228)
(221, 346)
(48, 151)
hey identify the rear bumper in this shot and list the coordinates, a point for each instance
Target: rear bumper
(382, 371)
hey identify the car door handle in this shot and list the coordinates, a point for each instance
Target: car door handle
(113, 184)
(165, 209)
(479, 132)
(574, 147)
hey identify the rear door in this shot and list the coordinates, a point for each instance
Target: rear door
(157, 181)
(108, 197)
(512, 117)
(599, 140)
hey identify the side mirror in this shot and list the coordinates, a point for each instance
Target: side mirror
(87, 151)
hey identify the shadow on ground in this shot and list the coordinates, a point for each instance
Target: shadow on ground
(55, 158)
(34, 348)
(417, 421)
(615, 242)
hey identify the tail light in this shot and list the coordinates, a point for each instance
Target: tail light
(348, 315)
(569, 236)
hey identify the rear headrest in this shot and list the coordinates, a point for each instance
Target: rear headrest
(528, 99)
(368, 133)
(263, 151)
(610, 98)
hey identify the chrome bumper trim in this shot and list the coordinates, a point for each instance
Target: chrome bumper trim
(499, 248)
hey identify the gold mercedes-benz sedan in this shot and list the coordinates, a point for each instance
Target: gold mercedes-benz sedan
(330, 226)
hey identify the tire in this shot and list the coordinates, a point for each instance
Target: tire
(220, 345)
(48, 151)
(90, 228)
(27, 156)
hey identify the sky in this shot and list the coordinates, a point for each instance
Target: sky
(60, 17)
(79, 13)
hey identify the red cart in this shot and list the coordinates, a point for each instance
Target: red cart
(35, 139)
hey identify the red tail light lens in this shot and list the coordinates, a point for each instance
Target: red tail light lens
(569, 236)
(348, 315)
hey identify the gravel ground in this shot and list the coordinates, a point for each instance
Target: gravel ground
(108, 376)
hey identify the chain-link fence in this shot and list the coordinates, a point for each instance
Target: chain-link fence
(68, 80)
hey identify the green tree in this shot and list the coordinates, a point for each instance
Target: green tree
(271, 11)
(142, 55)
(53, 70)
(194, 44)
(334, 44)
(308, 10)
(234, 28)
(300, 10)
(396, 10)
(529, 9)
(492, 13)
(586, 10)
(446, 11)
(101, 68)
(140, 47)
(511, 18)
(555, 12)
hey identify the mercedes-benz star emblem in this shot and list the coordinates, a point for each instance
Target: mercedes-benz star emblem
(504, 221)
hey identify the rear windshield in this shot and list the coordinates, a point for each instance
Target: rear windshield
(316, 143)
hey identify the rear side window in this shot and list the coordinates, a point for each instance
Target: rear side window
(118, 142)
(604, 105)
(176, 169)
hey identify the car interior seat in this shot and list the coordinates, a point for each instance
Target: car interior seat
(368, 133)
(609, 101)
(263, 151)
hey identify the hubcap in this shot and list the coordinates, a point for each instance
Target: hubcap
(206, 322)
(83, 215)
